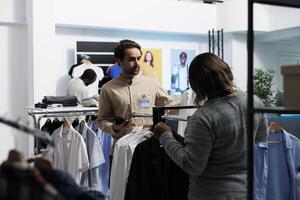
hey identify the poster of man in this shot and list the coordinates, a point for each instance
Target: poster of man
(151, 63)
(180, 60)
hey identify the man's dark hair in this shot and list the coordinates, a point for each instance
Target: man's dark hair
(125, 44)
(89, 76)
(210, 77)
(182, 53)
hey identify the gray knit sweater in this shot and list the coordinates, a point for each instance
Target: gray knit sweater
(214, 150)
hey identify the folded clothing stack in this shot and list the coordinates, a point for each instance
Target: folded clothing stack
(66, 101)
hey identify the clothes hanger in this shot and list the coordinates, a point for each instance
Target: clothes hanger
(274, 127)
(82, 123)
(66, 124)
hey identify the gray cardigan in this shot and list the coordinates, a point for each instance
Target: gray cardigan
(214, 150)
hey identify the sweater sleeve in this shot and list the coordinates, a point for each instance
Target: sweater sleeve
(193, 156)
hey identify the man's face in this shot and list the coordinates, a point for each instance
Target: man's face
(183, 59)
(130, 65)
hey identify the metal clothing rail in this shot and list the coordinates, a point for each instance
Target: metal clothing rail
(149, 115)
(37, 114)
(175, 117)
(32, 131)
(159, 112)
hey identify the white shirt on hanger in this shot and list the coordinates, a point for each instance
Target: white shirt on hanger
(93, 88)
(70, 153)
(90, 178)
(187, 99)
(122, 158)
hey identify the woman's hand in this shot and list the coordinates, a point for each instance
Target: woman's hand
(161, 128)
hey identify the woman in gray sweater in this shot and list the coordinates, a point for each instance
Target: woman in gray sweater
(214, 150)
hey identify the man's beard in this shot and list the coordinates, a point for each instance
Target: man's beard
(134, 71)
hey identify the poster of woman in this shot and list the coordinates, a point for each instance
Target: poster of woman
(151, 64)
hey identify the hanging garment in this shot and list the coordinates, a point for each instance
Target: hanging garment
(105, 141)
(275, 167)
(93, 88)
(153, 175)
(187, 99)
(70, 153)
(76, 87)
(90, 178)
(122, 159)
(47, 128)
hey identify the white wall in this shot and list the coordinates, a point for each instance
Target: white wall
(239, 60)
(41, 39)
(12, 11)
(154, 15)
(14, 86)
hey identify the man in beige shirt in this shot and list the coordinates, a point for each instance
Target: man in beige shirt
(129, 93)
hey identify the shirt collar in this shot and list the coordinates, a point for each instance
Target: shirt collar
(69, 135)
(129, 81)
(286, 139)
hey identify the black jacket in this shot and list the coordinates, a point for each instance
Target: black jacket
(153, 175)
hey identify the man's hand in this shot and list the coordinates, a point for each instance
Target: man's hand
(124, 125)
(161, 128)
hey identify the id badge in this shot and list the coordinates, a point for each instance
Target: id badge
(144, 103)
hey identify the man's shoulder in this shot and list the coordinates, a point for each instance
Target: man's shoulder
(112, 83)
(147, 79)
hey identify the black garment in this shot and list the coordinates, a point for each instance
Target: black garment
(47, 128)
(75, 123)
(153, 175)
(55, 125)
(64, 100)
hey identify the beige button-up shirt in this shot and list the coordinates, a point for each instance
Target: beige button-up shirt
(123, 97)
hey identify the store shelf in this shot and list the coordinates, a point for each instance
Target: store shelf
(277, 110)
(287, 3)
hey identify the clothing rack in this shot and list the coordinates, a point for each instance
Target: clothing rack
(142, 115)
(159, 114)
(174, 117)
(37, 114)
(32, 131)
